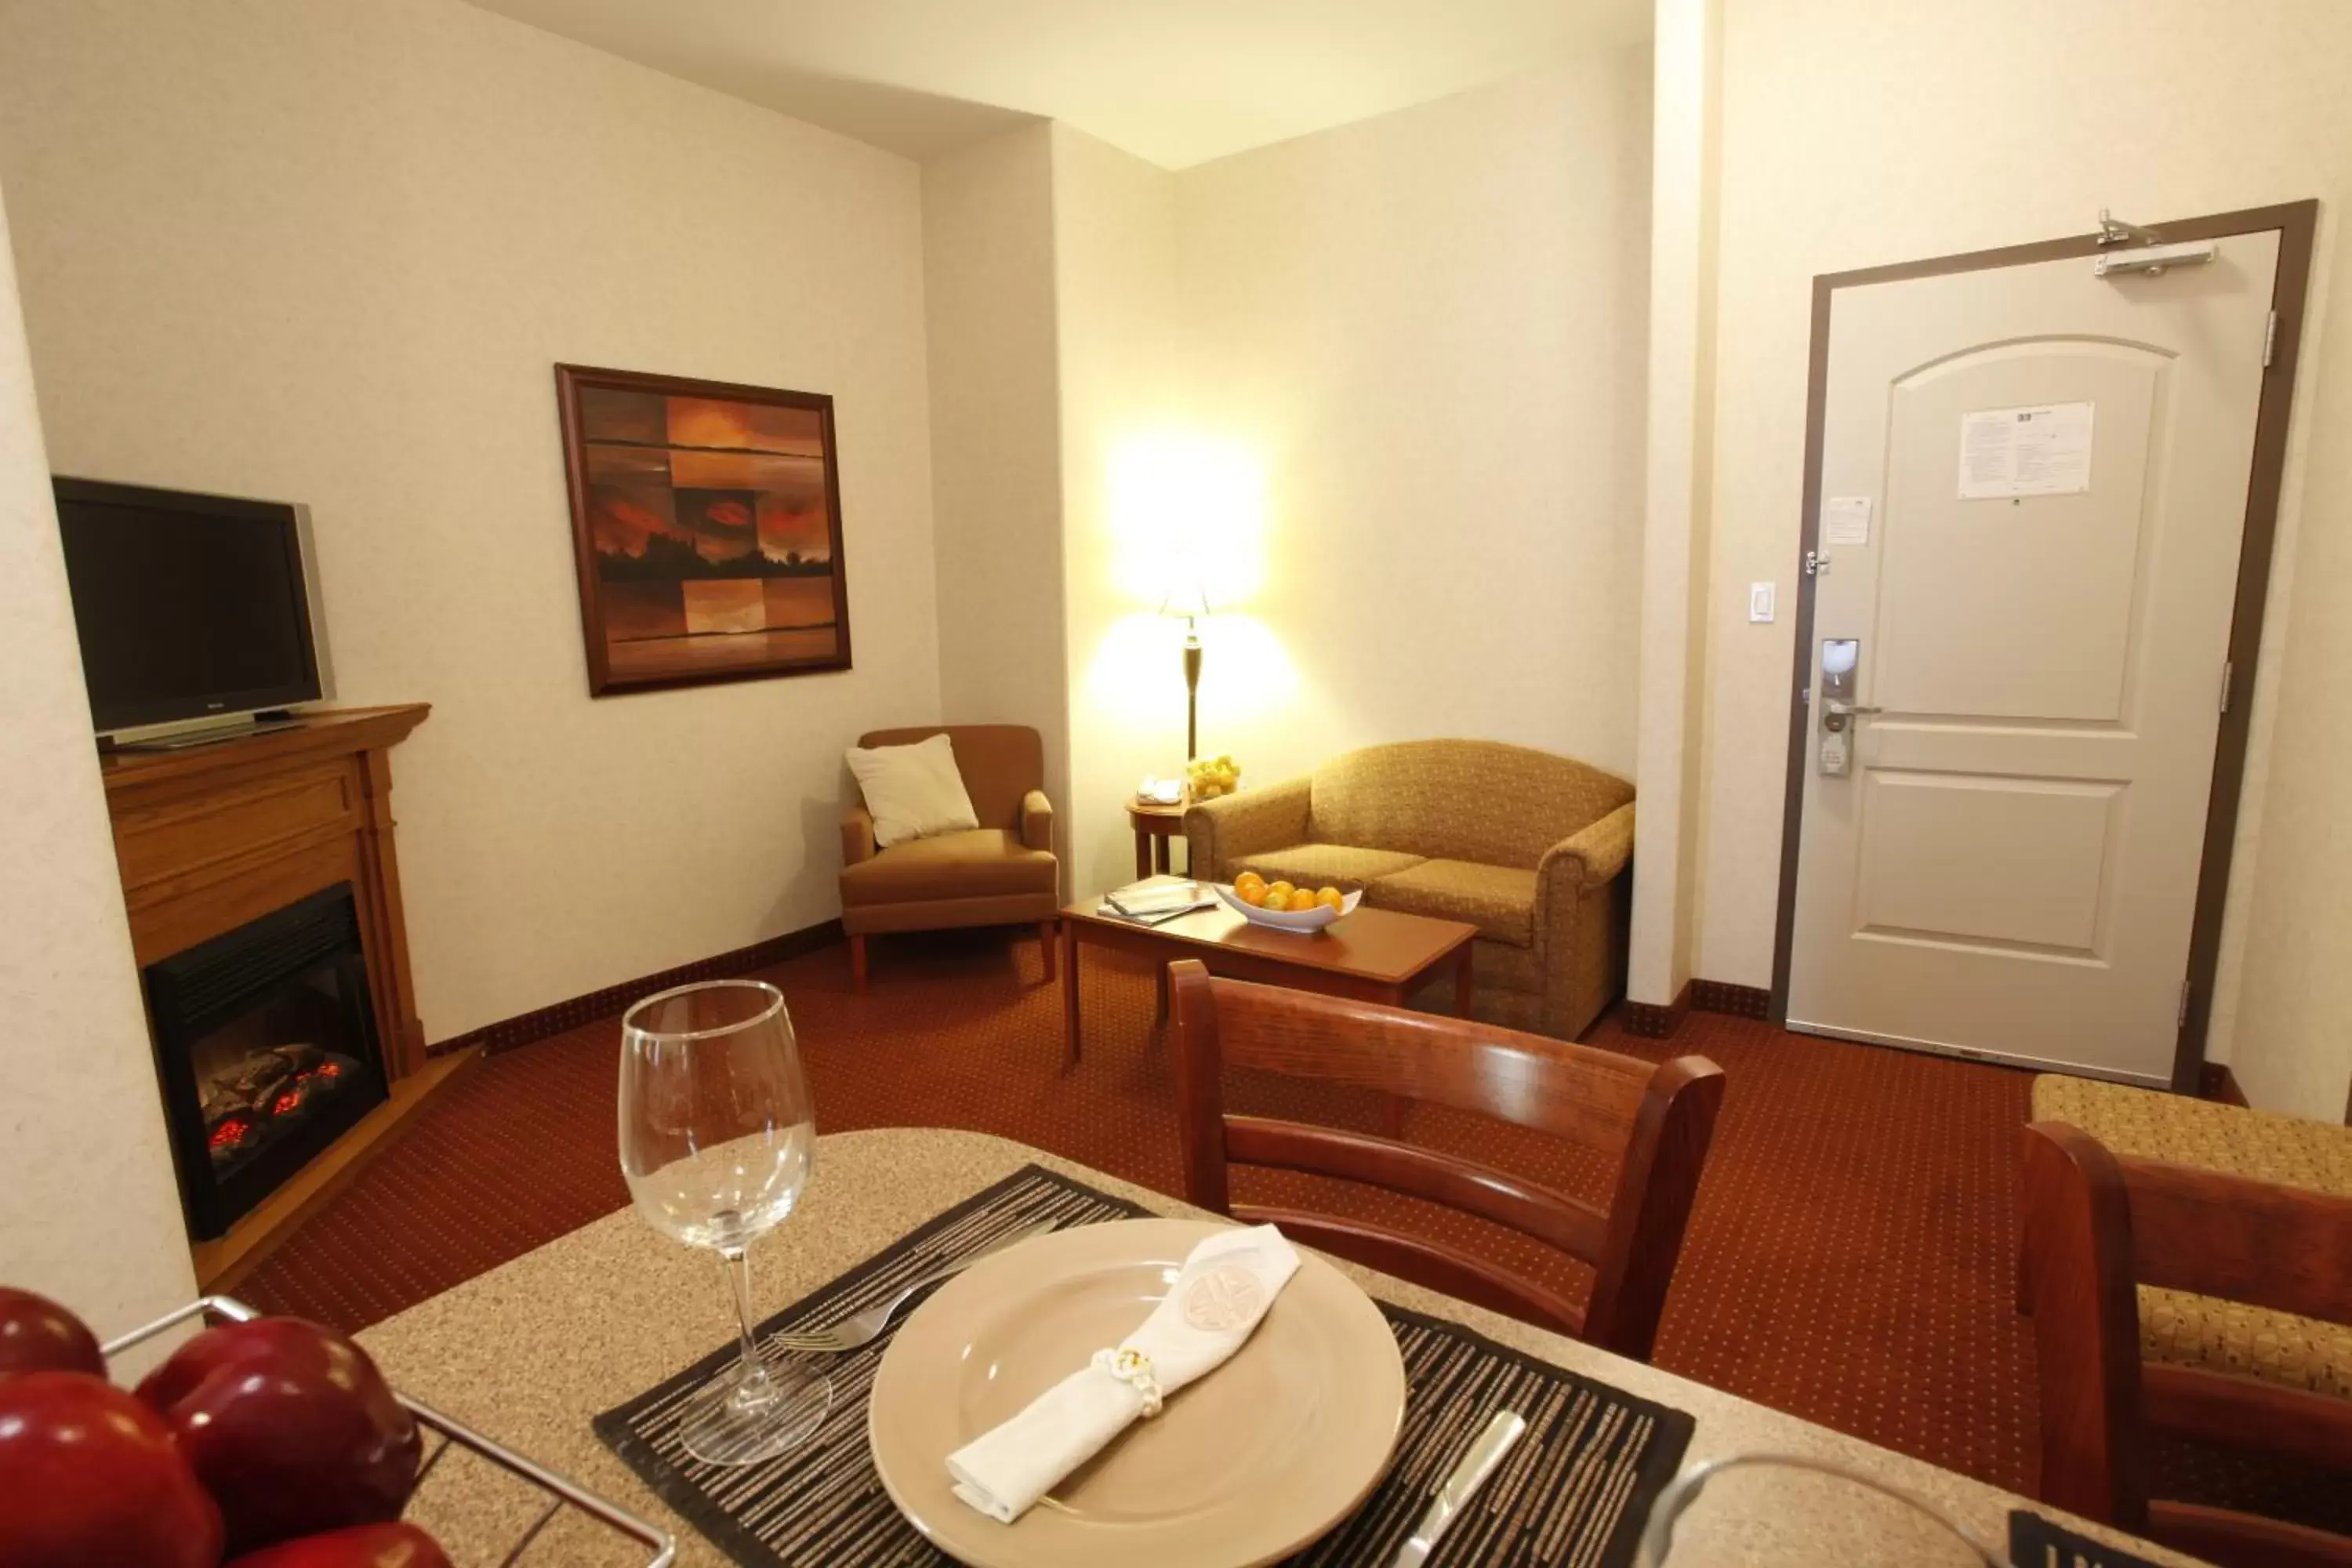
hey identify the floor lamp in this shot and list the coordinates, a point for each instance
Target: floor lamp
(1188, 604)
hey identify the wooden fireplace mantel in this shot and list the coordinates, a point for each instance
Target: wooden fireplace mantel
(212, 836)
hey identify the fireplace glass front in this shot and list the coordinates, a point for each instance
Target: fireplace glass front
(266, 1047)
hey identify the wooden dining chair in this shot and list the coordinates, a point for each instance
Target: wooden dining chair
(2097, 1226)
(1657, 1120)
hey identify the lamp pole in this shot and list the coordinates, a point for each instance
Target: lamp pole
(1191, 690)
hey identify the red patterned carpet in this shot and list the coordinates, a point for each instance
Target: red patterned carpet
(1849, 1260)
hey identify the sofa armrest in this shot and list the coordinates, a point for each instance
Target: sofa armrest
(1223, 832)
(1037, 821)
(1594, 852)
(857, 835)
(1580, 912)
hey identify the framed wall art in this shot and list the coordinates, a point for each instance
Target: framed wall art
(706, 519)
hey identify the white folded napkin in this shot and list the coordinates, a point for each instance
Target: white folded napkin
(1225, 1287)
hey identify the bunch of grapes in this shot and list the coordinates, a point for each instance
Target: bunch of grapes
(1209, 777)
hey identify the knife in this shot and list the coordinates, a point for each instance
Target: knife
(1480, 1462)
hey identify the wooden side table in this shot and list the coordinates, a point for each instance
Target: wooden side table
(1156, 827)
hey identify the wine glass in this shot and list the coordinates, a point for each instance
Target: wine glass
(718, 1136)
(1868, 1518)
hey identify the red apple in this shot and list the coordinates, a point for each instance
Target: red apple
(360, 1546)
(36, 1334)
(89, 1477)
(290, 1428)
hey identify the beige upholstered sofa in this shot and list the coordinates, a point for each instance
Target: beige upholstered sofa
(1530, 848)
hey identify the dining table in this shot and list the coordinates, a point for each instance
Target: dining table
(531, 1351)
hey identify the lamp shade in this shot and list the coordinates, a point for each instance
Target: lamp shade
(1186, 601)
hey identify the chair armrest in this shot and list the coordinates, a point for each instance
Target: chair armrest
(1223, 832)
(1592, 856)
(1037, 821)
(857, 835)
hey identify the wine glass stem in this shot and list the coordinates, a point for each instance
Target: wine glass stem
(739, 1277)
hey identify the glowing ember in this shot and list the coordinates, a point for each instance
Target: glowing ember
(250, 1104)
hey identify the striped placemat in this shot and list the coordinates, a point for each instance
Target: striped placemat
(1573, 1494)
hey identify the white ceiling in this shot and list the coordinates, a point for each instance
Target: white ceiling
(1178, 83)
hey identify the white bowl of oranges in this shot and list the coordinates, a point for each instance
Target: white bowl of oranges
(1283, 906)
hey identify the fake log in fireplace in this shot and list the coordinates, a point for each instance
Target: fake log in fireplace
(266, 1049)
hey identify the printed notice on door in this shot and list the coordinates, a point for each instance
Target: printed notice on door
(2044, 450)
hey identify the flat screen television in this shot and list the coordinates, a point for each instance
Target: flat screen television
(189, 607)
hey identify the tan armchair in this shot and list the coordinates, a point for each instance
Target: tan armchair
(1000, 873)
(1530, 848)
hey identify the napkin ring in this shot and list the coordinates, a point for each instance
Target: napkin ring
(1132, 1366)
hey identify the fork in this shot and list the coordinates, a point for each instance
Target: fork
(865, 1327)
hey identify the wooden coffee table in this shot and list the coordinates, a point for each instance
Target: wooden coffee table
(1372, 955)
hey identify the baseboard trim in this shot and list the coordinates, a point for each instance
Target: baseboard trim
(1723, 996)
(612, 1000)
(1655, 1020)
(2220, 1083)
(1652, 1021)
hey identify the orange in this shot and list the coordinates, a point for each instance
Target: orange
(1248, 880)
(1277, 901)
(1251, 893)
(1330, 896)
(1284, 888)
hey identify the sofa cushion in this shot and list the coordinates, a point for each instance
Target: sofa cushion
(1326, 865)
(1479, 800)
(980, 862)
(1498, 899)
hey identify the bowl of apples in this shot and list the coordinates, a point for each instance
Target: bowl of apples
(1283, 906)
(258, 1443)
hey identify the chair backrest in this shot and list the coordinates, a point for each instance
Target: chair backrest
(2097, 1226)
(1000, 763)
(1459, 800)
(1656, 1119)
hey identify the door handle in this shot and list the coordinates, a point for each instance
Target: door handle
(1840, 655)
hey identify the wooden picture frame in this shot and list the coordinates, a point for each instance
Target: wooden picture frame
(706, 525)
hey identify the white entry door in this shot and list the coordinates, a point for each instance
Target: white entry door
(2034, 486)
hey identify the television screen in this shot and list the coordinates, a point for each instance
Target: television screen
(185, 604)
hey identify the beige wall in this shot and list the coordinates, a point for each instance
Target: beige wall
(1372, 386)
(1425, 332)
(1115, 255)
(88, 1211)
(329, 253)
(996, 463)
(1679, 443)
(1855, 133)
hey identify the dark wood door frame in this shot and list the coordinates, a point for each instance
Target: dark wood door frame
(2295, 223)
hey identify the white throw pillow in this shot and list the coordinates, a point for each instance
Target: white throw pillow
(912, 792)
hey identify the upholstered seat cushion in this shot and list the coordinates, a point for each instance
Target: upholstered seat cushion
(985, 862)
(1500, 900)
(2198, 1330)
(1340, 866)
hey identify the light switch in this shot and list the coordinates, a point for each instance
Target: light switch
(1760, 601)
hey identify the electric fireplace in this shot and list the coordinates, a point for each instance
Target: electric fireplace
(266, 1045)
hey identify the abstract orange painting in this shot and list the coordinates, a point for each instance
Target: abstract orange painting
(706, 519)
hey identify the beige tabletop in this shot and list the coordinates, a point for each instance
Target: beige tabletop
(530, 1353)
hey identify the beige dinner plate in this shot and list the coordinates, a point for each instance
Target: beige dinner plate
(1244, 1466)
